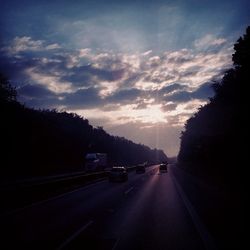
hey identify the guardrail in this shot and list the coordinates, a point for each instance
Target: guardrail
(20, 193)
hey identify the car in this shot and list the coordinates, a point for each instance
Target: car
(163, 167)
(118, 174)
(140, 169)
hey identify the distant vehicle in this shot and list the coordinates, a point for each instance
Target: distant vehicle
(95, 162)
(118, 174)
(165, 162)
(163, 167)
(141, 168)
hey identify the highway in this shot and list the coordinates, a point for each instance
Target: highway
(149, 211)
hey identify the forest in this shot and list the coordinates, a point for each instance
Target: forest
(213, 144)
(46, 142)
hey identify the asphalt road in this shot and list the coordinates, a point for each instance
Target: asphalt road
(149, 211)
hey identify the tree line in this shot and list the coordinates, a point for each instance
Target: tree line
(214, 142)
(42, 142)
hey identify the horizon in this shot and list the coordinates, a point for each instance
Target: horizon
(137, 69)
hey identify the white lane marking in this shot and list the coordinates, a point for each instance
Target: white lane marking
(116, 244)
(204, 234)
(50, 199)
(129, 190)
(73, 236)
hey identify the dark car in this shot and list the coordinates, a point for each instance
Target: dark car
(140, 169)
(118, 174)
(163, 167)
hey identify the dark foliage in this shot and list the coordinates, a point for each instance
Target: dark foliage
(213, 148)
(212, 145)
(42, 142)
(7, 92)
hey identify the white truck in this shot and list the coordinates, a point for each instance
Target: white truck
(95, 162)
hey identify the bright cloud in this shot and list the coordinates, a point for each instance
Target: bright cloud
(51, 82)
(26, 43)
(209, 40)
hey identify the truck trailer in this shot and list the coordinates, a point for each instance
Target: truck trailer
(95, 162)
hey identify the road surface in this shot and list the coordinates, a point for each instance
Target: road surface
(148, 211)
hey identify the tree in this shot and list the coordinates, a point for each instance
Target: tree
(7, 92)
(212, 140)
(241, 57)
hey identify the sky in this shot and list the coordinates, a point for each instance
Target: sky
(139, 69)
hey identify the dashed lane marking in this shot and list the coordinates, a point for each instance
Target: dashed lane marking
(129, 190)
(74, 235)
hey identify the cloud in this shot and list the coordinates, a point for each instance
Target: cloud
(125, 96)
(141, 105)
(83, 98)
(169, 106)
(146, 53)
(181, 96)
(143, 87)
(179, 57)
(203, 93)
(35, 91)
(121, 68)
(38, 96)
(171, 88)
(208, 41)
(89, 74)
(26, 43)
(53, 46)
(52, 81)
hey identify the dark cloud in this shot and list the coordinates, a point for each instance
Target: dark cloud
(141, 105)
(35, 91)
(83, 75)
(87, 72)
(83, 98)
(79, 76)
(170, 88)
(38, 96)
(132, 79)
(169, 107)
(107, 75)
(203, 93)
(191, 71)
(165, 94)
(14, 68)
(181, 96)
(125, 96)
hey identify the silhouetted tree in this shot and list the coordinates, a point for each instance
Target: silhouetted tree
(214, 149)
(212, 143)
(7, 92)
(43, 142)
(241, 57)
